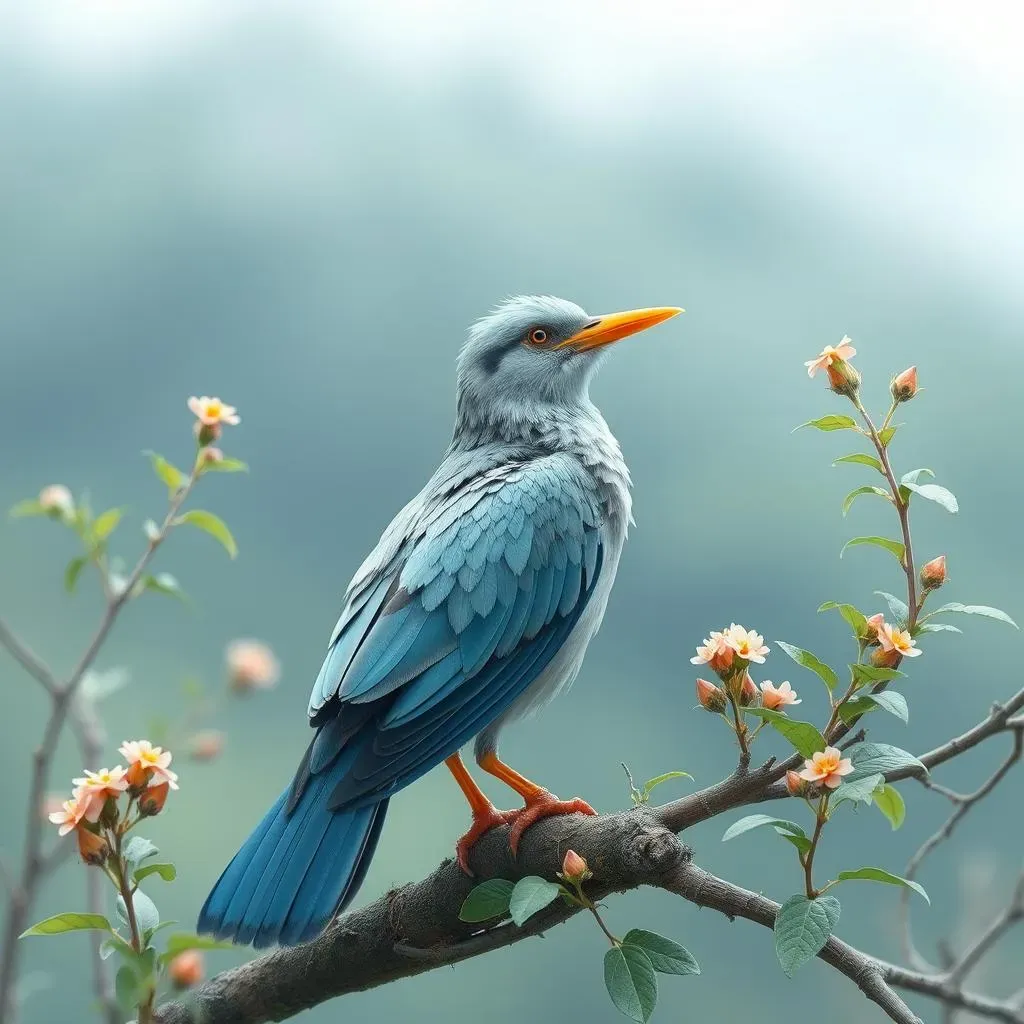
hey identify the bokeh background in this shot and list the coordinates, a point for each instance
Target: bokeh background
(301, 207)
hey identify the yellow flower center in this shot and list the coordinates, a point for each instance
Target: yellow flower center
(213, 408)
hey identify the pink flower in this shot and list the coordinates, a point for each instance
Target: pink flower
(829, 354)
(715, 652)
(104, 783)
(875, 624)
(251, 665)
(186, 969)
(746, 643)
(56, 499)
(147, 763)
(827, 766)
(71, 812)
(774, 697)
(898, 641)
(207, 745)
(212, 411)
(748, 691)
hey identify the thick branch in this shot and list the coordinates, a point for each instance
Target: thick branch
(416, 928)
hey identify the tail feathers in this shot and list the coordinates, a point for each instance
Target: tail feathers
(298, 869)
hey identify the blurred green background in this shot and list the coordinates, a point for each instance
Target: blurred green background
(300, 208)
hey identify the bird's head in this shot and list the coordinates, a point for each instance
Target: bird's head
(535, 354)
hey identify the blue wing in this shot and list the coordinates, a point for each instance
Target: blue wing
(436, 647)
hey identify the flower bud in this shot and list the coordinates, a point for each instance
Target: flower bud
(56, 501)
(206, 433)
(211, 454)
(933, 573)
(206, 746)
(748, 691)
(886, 659)
(844, 378)
(138, 776)
(153, 799)
(186, 969)
(92, 847)
(575, 868)
(874, 624)
(795, 785)
(710, 696)
(903, 386)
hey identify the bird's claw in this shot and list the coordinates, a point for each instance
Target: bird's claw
(544, 805)
(483, 822)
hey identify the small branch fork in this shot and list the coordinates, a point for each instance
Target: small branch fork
(416, 928)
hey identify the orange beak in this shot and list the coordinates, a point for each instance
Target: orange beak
(613, 326)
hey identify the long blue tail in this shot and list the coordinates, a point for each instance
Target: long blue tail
(297, 870)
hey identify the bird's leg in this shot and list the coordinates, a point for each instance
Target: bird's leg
(485, 815)
(540, 803)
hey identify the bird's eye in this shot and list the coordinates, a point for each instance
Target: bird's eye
(538, 336)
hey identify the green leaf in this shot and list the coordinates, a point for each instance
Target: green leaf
(804, 737)
(855, 618)
(226, 466)
(137, 850)
(872, 758)
(181, 941)
(861, 791)
(802, 843)
(851, 710)
(146, 914)
(880, 875)
(891, 701)
(974, 609)
(487, 900)
(752, 821)
(890, 803)
(164, 583)
(115, 944)
(914, 475)
(68, 923)
(897, 608)
(864, 674)
(166, 871)
(72, 571)
(24, 509)
(174, 479)
(833, 421)
(631, 982)
(808, 660)
(127, 988)
(802, 927)
(650, 784)
(213, 525)
(860, 459)
(935, 627)
(886, 435)
(530, 895)
(106, 524)
(892, 546)
(855, 494)
(933, 492)
(666, 956)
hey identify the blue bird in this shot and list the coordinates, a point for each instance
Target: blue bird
(476, 606)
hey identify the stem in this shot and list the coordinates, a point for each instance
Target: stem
(138, 943)
(61, 697)
(741, 729)
(808, 860)
(902, 509)
(597, 917)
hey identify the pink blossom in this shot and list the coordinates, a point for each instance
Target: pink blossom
(829, 354)
(898, 641)
(71, 812)
(774, 697)
(746, 643)
(251, 665)
(57, 498)
(715, 652)
(148, 762)
(827, 766)
(212, 411)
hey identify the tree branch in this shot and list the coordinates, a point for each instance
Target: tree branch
(29, 661)
(416, 928)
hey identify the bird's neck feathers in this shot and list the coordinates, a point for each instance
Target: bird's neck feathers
(577, 429)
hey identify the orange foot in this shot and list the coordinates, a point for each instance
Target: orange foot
(483, 821)
(542, 805)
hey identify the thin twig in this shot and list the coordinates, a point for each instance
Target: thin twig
(29, 661)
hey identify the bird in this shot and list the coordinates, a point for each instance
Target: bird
(475, 607)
